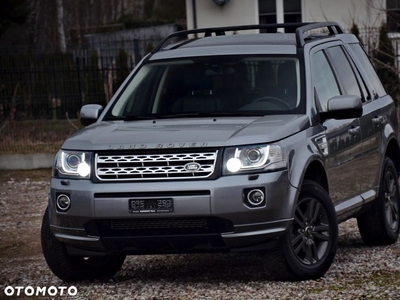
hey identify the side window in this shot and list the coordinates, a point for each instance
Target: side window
(368, 67)
(365, 92)
(324, 81)
(344, 71)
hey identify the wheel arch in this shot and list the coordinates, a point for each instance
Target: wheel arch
(316, 172)
(393, 152)
(311, 169)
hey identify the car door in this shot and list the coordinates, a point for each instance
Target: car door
(377, 109)
(343, 139)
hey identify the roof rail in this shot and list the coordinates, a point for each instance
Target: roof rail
(331, 26)
(301, 28)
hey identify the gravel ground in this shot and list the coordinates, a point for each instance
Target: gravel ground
(358, 272)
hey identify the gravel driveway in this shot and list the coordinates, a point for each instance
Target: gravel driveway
(358, 272)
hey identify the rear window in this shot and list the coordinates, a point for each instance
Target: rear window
(369, 68)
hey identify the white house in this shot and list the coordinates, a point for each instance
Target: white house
(368, 15)
(364, 13)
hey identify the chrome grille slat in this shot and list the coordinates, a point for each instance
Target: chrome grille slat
(154, 166)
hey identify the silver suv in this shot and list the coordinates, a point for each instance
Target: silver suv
(229, 143)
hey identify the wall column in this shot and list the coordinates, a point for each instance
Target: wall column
(280, 13)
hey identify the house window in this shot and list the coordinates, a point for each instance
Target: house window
(393, 14)
(267, 12)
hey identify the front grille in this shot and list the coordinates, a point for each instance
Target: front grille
(114, 167)
(164, 226)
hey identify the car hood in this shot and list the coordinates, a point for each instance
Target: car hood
(186, 132)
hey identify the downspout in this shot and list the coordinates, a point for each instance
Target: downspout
(194, 16)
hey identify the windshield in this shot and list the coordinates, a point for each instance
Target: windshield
(212, 86)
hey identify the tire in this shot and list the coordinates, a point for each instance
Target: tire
(308, 248)
(380, 224)
(71, 268)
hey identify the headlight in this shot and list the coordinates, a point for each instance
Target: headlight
(253, 158)
(74, 164)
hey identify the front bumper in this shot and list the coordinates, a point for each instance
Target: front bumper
(93, 223)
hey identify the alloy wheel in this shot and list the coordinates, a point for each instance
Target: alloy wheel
(391, 201)
(310, 231)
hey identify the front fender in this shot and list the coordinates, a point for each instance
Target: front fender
(303, 150)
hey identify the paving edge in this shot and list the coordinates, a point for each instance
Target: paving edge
(26, 161)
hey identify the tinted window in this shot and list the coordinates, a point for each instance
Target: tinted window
(366, 64)
(363, 86)
(324, 81)
(344, 71)
(259, 85)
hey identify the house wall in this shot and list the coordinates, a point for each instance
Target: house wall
(236, 12)
(364, 13)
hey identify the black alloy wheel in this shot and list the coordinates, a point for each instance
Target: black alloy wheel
(380, 224)
(310, 231)
(308, 247)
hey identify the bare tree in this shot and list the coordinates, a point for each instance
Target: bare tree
(120, 9)
(34, 19)
(77, 17)
(60, 25)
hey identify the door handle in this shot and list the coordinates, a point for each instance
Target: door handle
(354, 130)
(377, 120)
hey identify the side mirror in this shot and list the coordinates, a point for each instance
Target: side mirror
(343, 107)
(90, 113)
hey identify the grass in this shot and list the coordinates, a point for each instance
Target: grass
(21, 175)
(35, 136)
(378, 279)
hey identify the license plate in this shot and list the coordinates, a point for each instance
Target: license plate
(151, 205)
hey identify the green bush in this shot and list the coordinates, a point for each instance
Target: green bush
(93, 89)
(354, 30)
(122, 68)
(385, 64)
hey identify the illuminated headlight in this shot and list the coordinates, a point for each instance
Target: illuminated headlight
(72, 164)
(253, 158)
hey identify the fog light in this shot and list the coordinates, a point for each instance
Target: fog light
(63, 202)
(256, 197)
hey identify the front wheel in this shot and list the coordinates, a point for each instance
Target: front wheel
(308, 248)
(71, 268)
(380, 224)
